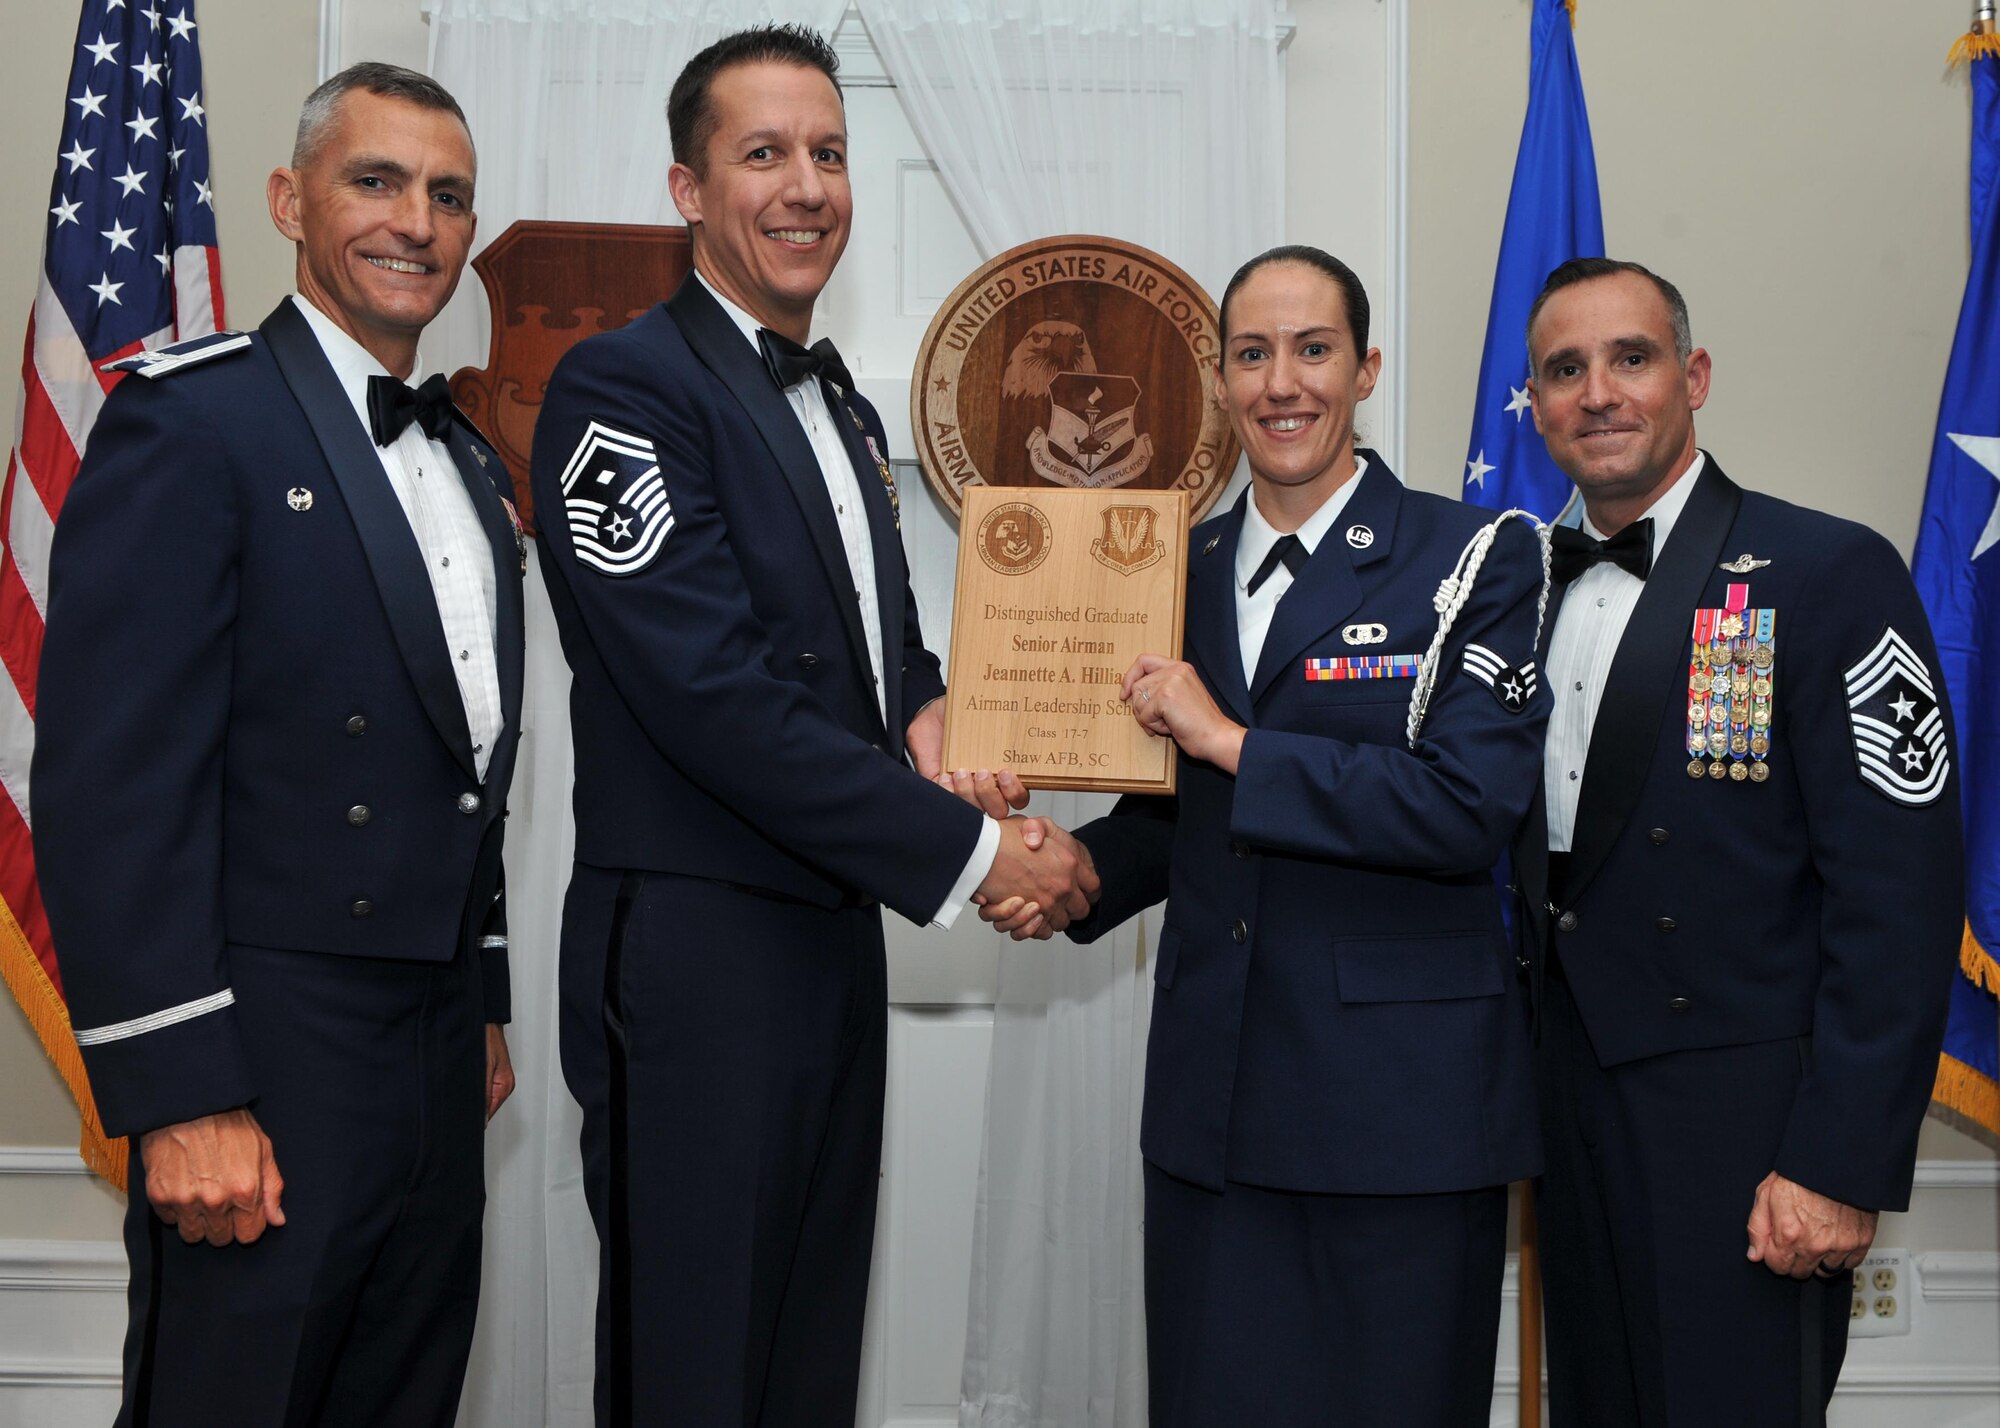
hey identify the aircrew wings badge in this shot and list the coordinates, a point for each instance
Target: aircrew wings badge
(1512, 685)
(619, 515)
(1898, 728)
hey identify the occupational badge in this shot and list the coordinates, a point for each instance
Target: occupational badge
(1512, 684)
(616, 503)
(299, 498)
(1364, 634)
(1732, 678)
(1892, 707)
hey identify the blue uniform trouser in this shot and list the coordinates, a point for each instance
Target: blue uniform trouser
(357, 1312)
(728, 1048)
(1655, 1318)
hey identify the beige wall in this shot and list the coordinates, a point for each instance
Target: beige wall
(259, 59)
(1798, 167)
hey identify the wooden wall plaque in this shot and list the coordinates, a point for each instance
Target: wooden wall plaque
(548, 286)
(1073, 362)
(1058, 592)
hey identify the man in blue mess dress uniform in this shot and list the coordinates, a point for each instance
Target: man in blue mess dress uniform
(1742, 893)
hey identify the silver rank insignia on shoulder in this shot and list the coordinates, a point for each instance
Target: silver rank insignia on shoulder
(1744, 564)
(617, 506)
(299, 498)
(1512, 684)
(165, 361)
(1369, 634)
(1892, 707)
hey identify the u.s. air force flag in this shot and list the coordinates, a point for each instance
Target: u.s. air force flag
(1957, 570)
(1552, 216)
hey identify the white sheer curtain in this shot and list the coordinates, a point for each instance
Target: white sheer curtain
(1161, 122)
(567, 103)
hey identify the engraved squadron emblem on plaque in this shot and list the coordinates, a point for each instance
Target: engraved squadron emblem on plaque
(1014, 538)
(1129, 542)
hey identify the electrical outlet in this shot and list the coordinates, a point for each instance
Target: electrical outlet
(1885, 1288)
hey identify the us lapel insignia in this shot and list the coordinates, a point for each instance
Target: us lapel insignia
(1512, 684)
(1360, 537)
(1732, 680)
(1364, 634)
(1898, 729)
(299, 498)
(1744, 564)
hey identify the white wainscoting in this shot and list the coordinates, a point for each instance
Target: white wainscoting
(62, 1306)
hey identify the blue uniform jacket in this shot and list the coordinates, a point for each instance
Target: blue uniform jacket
(1818, 902)
(1335, 1005)
(725, 717)
(248, 730)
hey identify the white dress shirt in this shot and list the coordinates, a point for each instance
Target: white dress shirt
(1586, 635)
(457, 555)
(1254, 542)
(843, 489)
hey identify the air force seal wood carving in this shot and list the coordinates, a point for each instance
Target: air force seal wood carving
(1078, 362)
(615, 501)
(1892, 707)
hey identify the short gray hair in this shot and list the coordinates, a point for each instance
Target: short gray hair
(1582, 270)
(391, 81)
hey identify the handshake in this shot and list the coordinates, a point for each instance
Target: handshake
(1042, 879)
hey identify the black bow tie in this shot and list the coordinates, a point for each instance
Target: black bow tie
(1291, 550)
(393, 405)
(1572, 552)
(789, 364)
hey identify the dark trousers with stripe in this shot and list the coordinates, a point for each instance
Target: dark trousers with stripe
(728, 1049)
(1654, 1317)
(1290, 1310)
(357, 1312)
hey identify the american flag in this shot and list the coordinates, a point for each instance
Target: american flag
(129, 262)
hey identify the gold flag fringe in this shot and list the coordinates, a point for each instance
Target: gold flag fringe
(1971, 1098)
(1570, 5)
(1978, 964)
(1970, 47)
(38, 997)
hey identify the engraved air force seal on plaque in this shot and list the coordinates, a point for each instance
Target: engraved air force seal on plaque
(1014, 538)
(1076, 362)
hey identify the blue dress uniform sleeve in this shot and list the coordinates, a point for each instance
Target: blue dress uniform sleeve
(1131, 848)
(693, 662)
(497, 988)
(1448, 805)
(132, 709)
(1892, 896)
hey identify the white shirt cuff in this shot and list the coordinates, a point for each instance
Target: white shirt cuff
(976, 869)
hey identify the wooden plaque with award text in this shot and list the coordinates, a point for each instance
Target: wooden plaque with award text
(1058, 592)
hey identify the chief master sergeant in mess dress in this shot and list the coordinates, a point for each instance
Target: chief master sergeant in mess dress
(722, 549)
(280, 697)
(1337, 1081)
(1743, 894)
